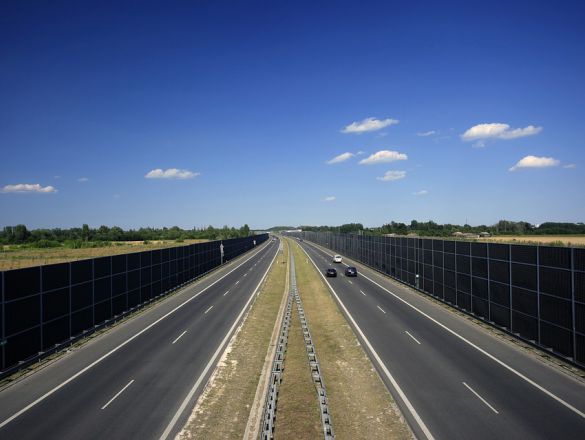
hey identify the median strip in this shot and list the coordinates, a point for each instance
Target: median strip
(361, 406)
(224, 406)
(303, 409)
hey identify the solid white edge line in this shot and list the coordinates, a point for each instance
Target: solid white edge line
(481, 350)
(205, 313)
(227, 291)
(179, 337)
(381, 310)
(415, 340)
(214, 357)
(480, 398)
(395, 385)
(112, 351)
(117, 394)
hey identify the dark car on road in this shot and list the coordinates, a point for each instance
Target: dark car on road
(331, 272)
(351, 271)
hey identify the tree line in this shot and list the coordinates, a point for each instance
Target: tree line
(430, 228)
(86, 236)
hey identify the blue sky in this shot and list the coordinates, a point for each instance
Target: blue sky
(248, 101)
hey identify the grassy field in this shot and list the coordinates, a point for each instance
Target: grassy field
(222, 410)
(566, 240)
(361, 406)
(22, 257)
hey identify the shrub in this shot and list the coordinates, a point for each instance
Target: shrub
(44, 244)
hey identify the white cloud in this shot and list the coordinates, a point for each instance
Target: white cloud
(360, 152)
(56, 177)
(28, 188)
(422, 192)
(570, 166)
(341, 158)
(427, 133)
(82, 179)
(329, 199)
(383, 156)
(392, 175)
(535, 162)
(171, 173)
(368, 124)
(498, 131)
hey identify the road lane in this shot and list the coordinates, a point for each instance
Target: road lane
(431, 374)
(162, 372)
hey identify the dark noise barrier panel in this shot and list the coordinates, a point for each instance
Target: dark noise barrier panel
(534, 292)
(43, 307)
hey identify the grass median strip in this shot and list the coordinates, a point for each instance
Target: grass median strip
(297, 415)
(361, 406)
(223, 408)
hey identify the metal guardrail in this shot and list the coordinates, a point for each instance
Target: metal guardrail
(313, 363)
(269, 417)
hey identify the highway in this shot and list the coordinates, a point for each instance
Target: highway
(141, 378)
(451, 378)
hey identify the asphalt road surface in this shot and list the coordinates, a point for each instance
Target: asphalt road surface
(452, 378)
(141, 378)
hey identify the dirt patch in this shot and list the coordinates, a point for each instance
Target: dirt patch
(19, 258)
(222, 410)
(297, 408)
(361, 406)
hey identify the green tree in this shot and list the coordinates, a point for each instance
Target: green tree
(21, 234)
(85, 233)
(245, 231)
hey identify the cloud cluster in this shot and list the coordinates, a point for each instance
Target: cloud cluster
(28, 188)
(383, 156)
(498, 131)
(392, 175)
(368, 124)
(329, 199)
(171, 173)
(535, 162)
